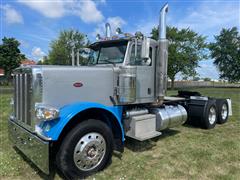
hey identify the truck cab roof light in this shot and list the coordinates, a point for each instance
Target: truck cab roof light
(128, 35)
(115, 37)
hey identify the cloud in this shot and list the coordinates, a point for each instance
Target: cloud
(11, 15)
(114, 22)
(37, 53)
(209, 17)
(85, 9)
(51, 9)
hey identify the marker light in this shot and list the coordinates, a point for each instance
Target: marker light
(128, 35)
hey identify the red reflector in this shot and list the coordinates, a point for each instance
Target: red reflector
(78, 84)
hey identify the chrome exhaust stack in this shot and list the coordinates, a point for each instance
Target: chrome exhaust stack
(162, 22)
(108, 30)
(162, 58)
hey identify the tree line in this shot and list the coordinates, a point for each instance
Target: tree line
(186, 49)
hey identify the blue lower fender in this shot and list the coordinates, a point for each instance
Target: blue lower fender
(53, 129)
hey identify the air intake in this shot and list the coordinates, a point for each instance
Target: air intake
(108, 30)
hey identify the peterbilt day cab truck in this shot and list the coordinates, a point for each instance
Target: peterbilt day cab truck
(75, 116)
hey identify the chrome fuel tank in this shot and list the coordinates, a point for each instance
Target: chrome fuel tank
(169, 116)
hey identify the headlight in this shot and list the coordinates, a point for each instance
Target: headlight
(46, 112)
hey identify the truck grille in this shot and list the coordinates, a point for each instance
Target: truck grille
(22, 98)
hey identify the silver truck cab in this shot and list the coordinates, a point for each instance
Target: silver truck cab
(125, 54)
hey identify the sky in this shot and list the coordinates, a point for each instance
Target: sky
(35, 23)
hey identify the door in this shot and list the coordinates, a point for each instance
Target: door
(145, 74)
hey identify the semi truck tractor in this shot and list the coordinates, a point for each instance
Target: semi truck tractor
(74, 117)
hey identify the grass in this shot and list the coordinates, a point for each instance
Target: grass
(180, 153)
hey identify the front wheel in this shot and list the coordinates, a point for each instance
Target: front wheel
(86, 149)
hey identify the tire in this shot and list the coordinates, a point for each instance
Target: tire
(223, 111)
(85, 150)
(209, 119)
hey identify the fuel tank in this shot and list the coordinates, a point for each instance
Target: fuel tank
(169, 116)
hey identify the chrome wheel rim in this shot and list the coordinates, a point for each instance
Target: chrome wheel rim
(89, 151)
(224, 111)
(212, 115)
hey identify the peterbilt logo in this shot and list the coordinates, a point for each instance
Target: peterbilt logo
(77, 84)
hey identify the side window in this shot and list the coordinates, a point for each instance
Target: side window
(137, 60)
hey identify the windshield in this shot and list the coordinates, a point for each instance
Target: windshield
(108, 53)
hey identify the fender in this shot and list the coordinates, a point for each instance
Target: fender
(52, 129)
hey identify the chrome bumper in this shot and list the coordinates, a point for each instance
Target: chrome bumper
(29, 144)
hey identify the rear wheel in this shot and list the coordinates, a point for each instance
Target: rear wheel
(210, 115)
(86, 149)
(223, 111)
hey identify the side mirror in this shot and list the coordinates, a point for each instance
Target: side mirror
(145, 48)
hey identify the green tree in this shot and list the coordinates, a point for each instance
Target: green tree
(226, 54)
(207, 79)
(196, 78)
(10, 56)
(186, 48)
(44, 61)
(61, 48)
